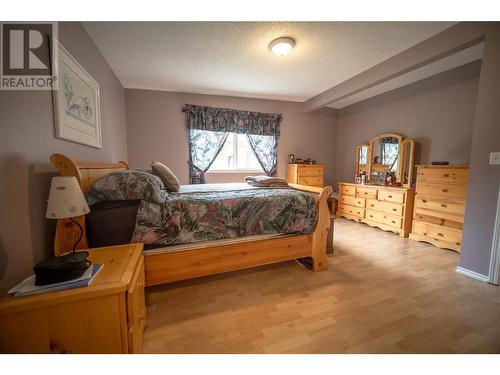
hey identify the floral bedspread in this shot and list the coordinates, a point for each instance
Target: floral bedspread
(189, 218)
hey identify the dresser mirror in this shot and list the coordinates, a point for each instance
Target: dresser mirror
(408, 162)
(385, 157)
(362, 157)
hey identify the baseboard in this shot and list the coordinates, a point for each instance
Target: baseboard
(474, 275)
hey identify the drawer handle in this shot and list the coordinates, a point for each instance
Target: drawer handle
(440, 234)
(389, 196)
(371, 215)
(424, 201)
(445, 190)
(372, 205)
(446, 175)
(444, 205)
(394, 209)
(142, 316)
(392, 221)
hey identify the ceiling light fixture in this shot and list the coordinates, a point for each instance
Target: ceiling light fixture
(282, 46)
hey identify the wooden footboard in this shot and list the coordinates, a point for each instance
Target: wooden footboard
(208, 259)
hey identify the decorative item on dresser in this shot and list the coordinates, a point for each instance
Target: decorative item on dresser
(440, 205)
(306, 174)
(388, 208)
(106, 317)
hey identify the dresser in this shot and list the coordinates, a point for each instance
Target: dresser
(440, 205)
(108, 316)
(388, 208)
(306, 174)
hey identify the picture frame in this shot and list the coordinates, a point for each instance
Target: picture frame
(77, 104)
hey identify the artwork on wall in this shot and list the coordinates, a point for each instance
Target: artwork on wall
(76, 103)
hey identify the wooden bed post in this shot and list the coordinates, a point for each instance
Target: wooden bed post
(320, 234)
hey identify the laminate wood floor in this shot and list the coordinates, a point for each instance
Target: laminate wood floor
(381, 294)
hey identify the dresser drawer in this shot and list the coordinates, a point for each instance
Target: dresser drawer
(310, 181)
(437, 232)
(309, 170)
(452, 206)
(442, 190)
(347, 190)
(352, 201)
(383, 218)
(443, 175)
(439, 218)
(387, 207)
(364, 192)
(391, 196)
(351, 210)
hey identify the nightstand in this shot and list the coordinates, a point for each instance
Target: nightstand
(108, 316)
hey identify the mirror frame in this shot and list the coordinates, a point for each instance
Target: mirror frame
(411, 163)
(387, 135)
(368, 157)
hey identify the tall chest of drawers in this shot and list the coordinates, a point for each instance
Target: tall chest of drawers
(440, 205)
(388, 208)
(306, 174)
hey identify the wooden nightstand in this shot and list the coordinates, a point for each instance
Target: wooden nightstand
(106, 317)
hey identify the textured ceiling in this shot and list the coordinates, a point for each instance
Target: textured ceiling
(233, 58)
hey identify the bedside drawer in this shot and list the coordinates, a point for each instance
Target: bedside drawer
(443, 175)
(387, 207)
(391, 196)
(310, 181)
(363, 192)
(136, 310)
(353, 201)
(351, 210)
(438, 233)
(442, 190)
(347, 190)
(309, 171)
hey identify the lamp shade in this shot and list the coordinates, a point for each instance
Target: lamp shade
(66, 199)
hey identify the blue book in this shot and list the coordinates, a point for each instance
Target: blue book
(28, 287)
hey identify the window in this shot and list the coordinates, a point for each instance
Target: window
(236, 154)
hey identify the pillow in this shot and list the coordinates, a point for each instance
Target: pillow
(167, 176)
(125, 186)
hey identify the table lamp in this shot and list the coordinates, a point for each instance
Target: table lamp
(66, 201)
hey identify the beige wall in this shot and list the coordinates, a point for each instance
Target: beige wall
(26, 141)
(437, 112)
(156, 130)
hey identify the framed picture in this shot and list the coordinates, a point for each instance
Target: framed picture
(76, 103)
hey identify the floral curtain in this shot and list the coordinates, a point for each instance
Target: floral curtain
(208, 130)
(232, 120)
(265, 148)
(204, 146)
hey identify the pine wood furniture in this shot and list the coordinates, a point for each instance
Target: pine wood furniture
(306, 174)
(440, 205)
(106, 317)
(388, 208)
(189, 261)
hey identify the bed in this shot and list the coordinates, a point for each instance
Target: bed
(190, 260)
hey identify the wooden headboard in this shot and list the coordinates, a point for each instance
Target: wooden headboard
(86, 172)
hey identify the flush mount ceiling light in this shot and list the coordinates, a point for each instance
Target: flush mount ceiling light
(282, 46)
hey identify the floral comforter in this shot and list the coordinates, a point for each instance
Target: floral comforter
(196, 217)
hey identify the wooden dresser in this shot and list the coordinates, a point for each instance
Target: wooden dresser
(388, 208)
(306, 174)
(440, 205)
(106, 317)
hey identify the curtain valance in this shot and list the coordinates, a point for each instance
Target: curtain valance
(232, 120)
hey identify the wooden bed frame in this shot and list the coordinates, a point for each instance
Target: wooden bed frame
(201, 259)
